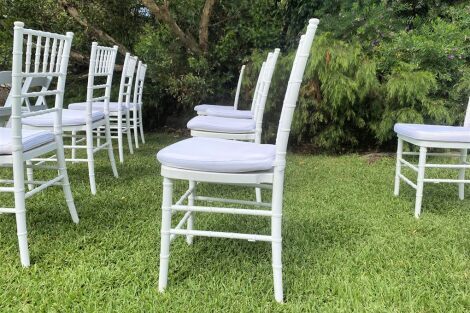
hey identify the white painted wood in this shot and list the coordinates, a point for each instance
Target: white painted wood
(239, 87)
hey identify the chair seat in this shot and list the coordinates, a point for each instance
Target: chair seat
(222, 124)
(218, 155)
(69, 118)
(132, 105)
(244, 114)
(98, 106)
(434, 132)
(204, 107)
(31, 139)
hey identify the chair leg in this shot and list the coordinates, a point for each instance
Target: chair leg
(110, 148)
(276, 234)
(98, 135)
(90, 158)
(135, 128)
(396, 191)
(165, 233)
(258, 195)
(463, 160)
(30, 174)
(120, 143)
(65, 181)
(74, 143)
(128, 133)
(20, 211)
(190, 222)
(420, 182)
(141, 124)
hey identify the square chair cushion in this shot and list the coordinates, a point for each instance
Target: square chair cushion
(98, 106)
(69, 118)
(201, 108)
(218, 155)
(434, 132)
(30, 138)
(222, 124)
(245, 114)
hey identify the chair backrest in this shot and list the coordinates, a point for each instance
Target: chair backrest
(258, 83)
(50, 60)
(125, 87)
(292, 92)
(139, 84)
(239, 86)
(467, 116)
(102, 61)
(264, 91)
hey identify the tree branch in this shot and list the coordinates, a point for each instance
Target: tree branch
(73, 12)
(204, 25)
(162, 13)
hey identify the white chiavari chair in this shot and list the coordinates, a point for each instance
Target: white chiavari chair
(220, 161)
(135, 107)
(432, 137)
(18, 145)
(118, 112)
(81, 125)
(239, 128)
(206, 109)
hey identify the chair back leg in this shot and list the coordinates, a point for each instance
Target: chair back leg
(141, 125)
(109, 143)
(165, 233)
(463, 160)
(396, 191)
(135, 127)
(128, 132)
(120, 142)
(90, 158)
(190, 222)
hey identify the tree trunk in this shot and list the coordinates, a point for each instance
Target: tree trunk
(204, 25)
(73, 12)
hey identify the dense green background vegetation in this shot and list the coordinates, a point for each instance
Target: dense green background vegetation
(375, 62)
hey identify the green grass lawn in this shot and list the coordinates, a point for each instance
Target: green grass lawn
(349, 245)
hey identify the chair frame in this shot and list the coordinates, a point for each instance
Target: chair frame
(102, 60)
(53, 65)
(136, 118)
(271, 179)
(258, 105)
(420, 168)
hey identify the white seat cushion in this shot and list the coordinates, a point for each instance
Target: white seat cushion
(434, 132)
(222, 124)
(69, 118)
(245, 114)
(204, 107)
(31, 139)
(132, 105)
(218, 155)
(98, 106)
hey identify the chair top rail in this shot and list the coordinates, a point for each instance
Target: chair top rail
(39, 33)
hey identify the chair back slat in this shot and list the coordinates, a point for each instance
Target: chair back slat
(258, 83)
(102, 61)
(467, 115)
(292, 92)
(139, 84)
(21, 74)
(127, 77)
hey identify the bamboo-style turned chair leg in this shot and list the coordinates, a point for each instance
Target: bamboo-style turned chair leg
(276, 233)
(65, 180)
(165, 233)
(110, 148)
(120, 141)
(141, 124)
(190, 222)
(396, 191)
(258, 195)
(74, 143)
(135, 128)
(128, 133)
(30, 174)
(420, 181)
(90, 158)
(20, 212)
(463, 160)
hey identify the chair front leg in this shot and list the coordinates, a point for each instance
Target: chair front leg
(109, 142)
(141, 125)
(420, 181)
(463, 161)
(135, 127)
(128, 132)
(120, 143)
(190, 222)
(20, 209)
(74, 143)
(165, 233)
(396, 191)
